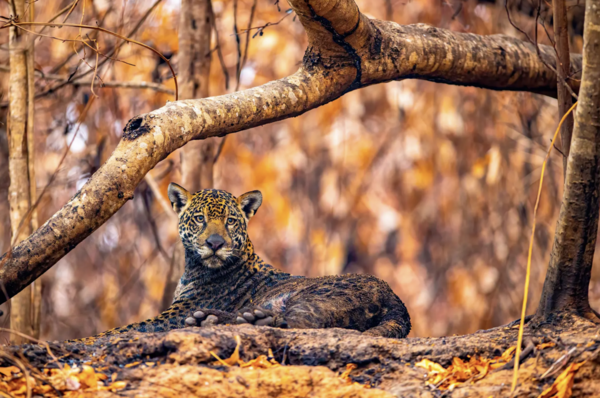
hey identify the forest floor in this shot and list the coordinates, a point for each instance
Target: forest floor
(247, 361)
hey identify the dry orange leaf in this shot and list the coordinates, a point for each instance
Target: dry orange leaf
(346, 375)
(234, 359)
(562, 387)
(262, 362)
(545, 345)
(460, 372)
(430, 366)
(9, 371)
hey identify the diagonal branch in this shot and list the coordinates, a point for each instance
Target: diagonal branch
(382, 51)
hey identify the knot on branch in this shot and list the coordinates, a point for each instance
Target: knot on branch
(135, 128)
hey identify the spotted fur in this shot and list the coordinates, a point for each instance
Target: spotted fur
(225, 281)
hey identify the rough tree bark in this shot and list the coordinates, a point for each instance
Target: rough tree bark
(568, 276)
(24, 313)
(565, 101)
(197, 158)
(346, 51)
(194, 72)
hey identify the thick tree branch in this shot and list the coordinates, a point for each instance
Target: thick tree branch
(346, 51)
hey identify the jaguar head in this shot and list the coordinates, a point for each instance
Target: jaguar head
(213, 224)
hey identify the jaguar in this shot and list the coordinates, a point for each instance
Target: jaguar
(226, 282)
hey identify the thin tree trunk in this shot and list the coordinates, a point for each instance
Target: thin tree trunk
(36, 294)
(24, 315)
(567, 280)
(195, 25)
(563, 67)
(197, 158)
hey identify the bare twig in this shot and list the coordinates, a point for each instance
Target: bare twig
(154, 230)
(559, 364)
(126, 39)
(247, 44)
(110, 53)
(260, 29)
(238, 46)
(60, 65)
(219, 149)
(37, 341)
(158, 195)
(537, 47)
(109, 84)
(23, 369)
(73, 5)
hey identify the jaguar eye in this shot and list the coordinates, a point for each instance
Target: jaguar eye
(200, 218)
(230, 220)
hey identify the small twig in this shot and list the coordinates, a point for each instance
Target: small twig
(154, 230)
(529, 348)
(219, 150)
(74, 4)
(260, 29)
(247, 44)
(110, 84)
(103, 30)
(559, 364)
(40, 342)
(238, 45)
(158, 195)
(60, 65)
(95, 70)
(113, 51)
(537, 47)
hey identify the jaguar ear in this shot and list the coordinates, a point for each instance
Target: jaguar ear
(179, 196)
(250, 202)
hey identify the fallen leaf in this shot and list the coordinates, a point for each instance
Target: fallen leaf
(346, 375)
(562, 386)
(87, 377)
(430, 366)
(234, 359)
(262, 362)
(9, 371)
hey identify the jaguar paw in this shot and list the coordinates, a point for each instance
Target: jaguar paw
(255, 316)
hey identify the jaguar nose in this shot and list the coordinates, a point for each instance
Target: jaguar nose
(215, 242)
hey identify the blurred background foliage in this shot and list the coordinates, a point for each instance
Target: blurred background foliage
(427, 186)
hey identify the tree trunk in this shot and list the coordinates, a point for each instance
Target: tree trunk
(346, 51)
(567, 280)
(25, 307)
(563, 67)
(194, 71)
(197, 157)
